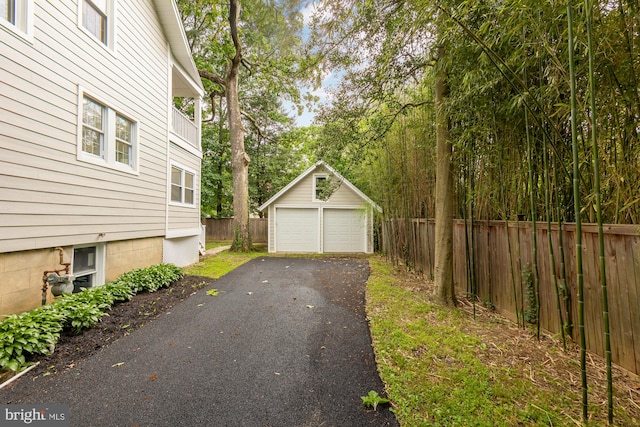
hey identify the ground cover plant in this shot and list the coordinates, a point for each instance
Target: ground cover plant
(137, 300)
(26, 336)
(442, 367)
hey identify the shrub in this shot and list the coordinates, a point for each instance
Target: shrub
(37, 331)
(33, 332)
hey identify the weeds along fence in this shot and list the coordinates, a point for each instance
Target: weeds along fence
(222, 229)
(494, 261)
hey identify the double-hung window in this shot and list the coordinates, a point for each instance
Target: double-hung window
(107, 137)
(17, 15)
(124, 140)
(96, 17)
(182, 185)
(93, 127)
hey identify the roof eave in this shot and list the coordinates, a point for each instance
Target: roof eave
(174, 31)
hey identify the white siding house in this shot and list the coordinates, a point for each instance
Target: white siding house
(97, 169)
(304, 218)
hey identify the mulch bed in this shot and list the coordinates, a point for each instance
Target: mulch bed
(122, 319)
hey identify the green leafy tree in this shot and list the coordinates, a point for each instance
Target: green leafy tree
(239, 46)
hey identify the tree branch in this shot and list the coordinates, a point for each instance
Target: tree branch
(255, 125)
(215, 78)
(234, 16)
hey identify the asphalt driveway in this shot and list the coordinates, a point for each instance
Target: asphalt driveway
(284, 343)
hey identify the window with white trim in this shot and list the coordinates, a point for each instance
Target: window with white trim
(93, 129)
(17, 15)
(96, 17)
(182, 185)
(88, 266)
(106, 136)
(320, 188)
(124, 140)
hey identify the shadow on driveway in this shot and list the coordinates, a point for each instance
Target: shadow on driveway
(284, 343)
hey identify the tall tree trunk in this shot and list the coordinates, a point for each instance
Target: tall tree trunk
(443, 262)
(239, 166)
(239, 158)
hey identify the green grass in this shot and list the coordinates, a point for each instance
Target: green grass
(218, 265)
(217, 244)
(438, 372)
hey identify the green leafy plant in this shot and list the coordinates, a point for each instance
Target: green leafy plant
(37, 331)
(373, 399)
(33, 332)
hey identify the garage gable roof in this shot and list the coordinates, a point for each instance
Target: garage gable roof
(318, 164)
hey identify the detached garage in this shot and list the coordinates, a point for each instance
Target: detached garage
(320, 211)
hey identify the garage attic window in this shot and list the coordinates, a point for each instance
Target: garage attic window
(319, 188)
(323, 187)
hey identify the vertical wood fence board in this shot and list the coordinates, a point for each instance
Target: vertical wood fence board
(633, 246)
(495, 283)
(222, 229)
(626, 310)
(616, 292)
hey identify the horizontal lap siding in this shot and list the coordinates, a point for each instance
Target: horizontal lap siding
(301, 194)
(181, 217)
(48, 197)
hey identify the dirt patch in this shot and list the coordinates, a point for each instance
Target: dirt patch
(122, 319)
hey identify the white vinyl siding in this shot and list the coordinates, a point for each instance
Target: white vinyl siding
(47, 197)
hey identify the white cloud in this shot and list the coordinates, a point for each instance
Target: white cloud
(307, 12)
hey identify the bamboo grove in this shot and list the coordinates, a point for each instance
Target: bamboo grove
(543, 110)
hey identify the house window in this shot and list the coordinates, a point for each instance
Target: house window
(94, 18)
(182, 185)
(97, 18)
(106, 136)
(8, 8)
(17, 16)
(87, 266)
(93, 121)
(124, 140)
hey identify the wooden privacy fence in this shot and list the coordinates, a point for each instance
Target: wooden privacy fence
(499, 253)
(222, 229)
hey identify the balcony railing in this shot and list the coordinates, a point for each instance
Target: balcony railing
(182, 126)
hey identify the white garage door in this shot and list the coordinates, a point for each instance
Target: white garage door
(344, 230)
(297, 230)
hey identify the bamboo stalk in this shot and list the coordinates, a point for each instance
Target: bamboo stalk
(596, 183)
(576, 203)
(547, 199)
(532, 207)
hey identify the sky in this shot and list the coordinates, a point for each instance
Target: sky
(329, 80)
